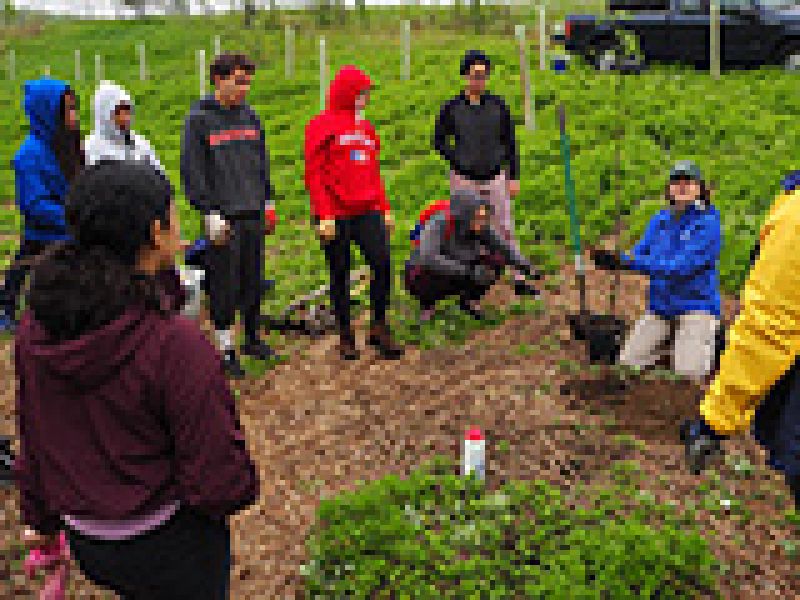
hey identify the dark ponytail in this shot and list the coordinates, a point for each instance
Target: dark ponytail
(87, 282)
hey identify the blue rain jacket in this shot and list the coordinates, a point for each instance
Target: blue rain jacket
(680, 256)
(40, 184)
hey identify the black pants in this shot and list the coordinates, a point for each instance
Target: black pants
(369, 233)
(16, 274)
(429, 287)
(235, 273)
(186, 558)
(794, 487)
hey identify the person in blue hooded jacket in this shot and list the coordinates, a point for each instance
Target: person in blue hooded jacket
(679, 253)
(45, 164)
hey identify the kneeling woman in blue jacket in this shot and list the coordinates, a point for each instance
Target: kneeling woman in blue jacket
(679, 252)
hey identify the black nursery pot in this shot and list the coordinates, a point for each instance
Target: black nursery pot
(603, 335)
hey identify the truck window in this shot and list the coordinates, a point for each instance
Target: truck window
(778, 4)
(735, 5)
(693, 7)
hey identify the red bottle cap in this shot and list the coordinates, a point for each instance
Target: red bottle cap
(474, 435)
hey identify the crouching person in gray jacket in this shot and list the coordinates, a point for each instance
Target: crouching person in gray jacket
(459, 253)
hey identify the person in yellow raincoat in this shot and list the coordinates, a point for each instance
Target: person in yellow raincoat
(758, 380)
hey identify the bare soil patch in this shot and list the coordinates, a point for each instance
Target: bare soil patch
(317, 426)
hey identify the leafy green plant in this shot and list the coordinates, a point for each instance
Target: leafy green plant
(436, 534)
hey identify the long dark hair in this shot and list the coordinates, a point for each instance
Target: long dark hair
(67, 142)
(87, 282)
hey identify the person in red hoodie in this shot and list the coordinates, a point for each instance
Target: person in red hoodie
(349, 204)
(129, 438)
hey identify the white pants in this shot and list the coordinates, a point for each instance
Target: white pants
(693, 346)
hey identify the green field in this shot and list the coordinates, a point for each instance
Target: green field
(740, 129)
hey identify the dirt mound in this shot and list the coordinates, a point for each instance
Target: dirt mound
(641, 407)
(316, 426)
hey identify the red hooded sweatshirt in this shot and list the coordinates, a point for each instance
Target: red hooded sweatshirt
(342, 154)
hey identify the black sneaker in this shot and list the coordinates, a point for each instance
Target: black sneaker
(257, 349)
(475, 313)
(231, 366)
(523, 288)
(6, 461)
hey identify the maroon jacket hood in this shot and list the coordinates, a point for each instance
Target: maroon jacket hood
(91, 359)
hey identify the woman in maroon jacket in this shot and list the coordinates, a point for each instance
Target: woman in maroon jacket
(129, 436)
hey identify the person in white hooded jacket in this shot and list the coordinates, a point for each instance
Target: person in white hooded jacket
(113, 139)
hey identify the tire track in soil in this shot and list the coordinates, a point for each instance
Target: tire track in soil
(316, 426)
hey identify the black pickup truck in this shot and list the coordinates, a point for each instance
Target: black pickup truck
(752, 33)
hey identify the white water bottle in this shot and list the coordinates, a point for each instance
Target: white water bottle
(474, 457)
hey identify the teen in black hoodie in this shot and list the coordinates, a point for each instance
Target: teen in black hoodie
(225, 172)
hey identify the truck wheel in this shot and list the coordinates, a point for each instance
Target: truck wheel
(622, 52)
(603, 54)
(791, 58)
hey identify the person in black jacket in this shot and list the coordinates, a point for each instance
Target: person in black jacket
(225, 171)
(483, 154)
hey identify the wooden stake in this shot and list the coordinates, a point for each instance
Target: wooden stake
(217, 49)
(714, 39)
(12, 64)
(406, 50)
(98, 68)
(142, 63)
(77, 65)
(542, 38)
(323, 73)
(201, 70)
(289, 51)
(525, 77)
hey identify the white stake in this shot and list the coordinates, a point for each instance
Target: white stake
(323, 73)
(406, 50)
(216, 46)
(714, 39)
(77, 65)
(142, 62)
(288, 51)
(98, 68)
(11, 65)
(201, 70)
(47, 71)
(525, 77)
(542, 38)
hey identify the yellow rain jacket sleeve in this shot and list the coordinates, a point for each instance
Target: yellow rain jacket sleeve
(765, 338)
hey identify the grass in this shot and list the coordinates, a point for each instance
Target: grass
(738, 129)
